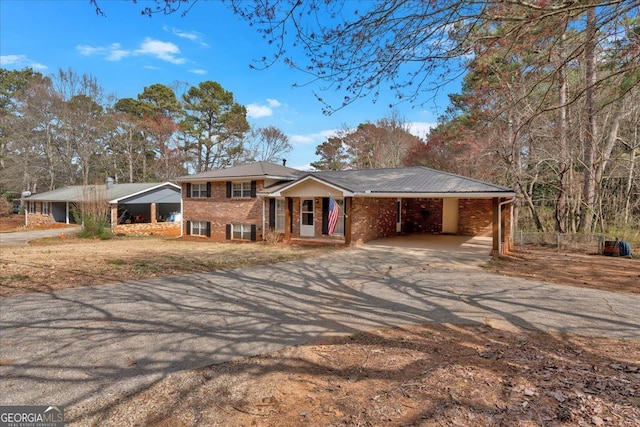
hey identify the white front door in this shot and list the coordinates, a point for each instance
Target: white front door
(306, 218)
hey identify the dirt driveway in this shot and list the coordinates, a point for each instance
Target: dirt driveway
(89, 347)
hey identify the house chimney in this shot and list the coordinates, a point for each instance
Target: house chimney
(284, 162)
(109, 183)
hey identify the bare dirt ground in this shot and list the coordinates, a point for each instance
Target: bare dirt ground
(423, 375)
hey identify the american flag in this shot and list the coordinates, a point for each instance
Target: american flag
(333, 215)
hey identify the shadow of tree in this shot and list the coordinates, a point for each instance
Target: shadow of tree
(89, 348)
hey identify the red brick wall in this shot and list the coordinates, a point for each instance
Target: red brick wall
(220, 210)
(475, 217)
(372, 219)
(422, 215)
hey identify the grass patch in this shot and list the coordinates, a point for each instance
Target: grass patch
(116, 262)
(14, 278)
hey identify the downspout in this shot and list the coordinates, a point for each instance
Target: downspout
(500, 222)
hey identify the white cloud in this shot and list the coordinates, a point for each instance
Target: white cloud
(198, 71)
(421, 129)
(20, 61)
(312, 138)
(256, 111)
(116, 53)
(165, 51)
(194, 36)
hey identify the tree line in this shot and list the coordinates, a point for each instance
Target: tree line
(549, 104)
(63, 130)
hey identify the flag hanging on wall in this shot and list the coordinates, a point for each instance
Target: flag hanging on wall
(333, 215)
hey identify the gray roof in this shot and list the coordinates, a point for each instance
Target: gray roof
(253, 170)
(410, 180)
(76, 193)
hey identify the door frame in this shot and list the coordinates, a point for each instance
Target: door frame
(307, 230)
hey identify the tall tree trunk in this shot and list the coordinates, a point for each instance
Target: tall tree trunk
(630, 176)
(564, 163)
(591, 131)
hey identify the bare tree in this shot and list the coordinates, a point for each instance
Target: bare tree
(268, 144)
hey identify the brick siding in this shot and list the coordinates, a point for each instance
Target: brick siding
(475, 217)
(372, 218)
(220, 210)
(422, 215)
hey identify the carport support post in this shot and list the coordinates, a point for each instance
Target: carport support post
(496, 218)
(153, 213)
(114, 216)
(347, 220)
(287, 220)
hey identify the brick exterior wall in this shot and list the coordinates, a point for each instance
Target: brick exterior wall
(149, 229)
(475, 217)
(38, 219)
(422, 215)
(220, 210)
(372, 218)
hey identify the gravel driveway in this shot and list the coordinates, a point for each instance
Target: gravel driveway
(89, 346)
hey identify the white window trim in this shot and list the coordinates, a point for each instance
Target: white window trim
(44, 208)
(244, 189)
(280, 214)
(201, 227)
(200, 193)
(243, 229)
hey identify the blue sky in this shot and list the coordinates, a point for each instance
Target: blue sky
(126, 52)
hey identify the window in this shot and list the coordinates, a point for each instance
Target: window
(241, 190)
(32, 207)
(242, 231)
(199, 228)
(45, 208)
(198, 190)
(279, 226)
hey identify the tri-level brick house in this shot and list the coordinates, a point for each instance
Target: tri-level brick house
(245, 202)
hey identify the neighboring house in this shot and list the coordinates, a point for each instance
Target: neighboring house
(248, 201)
(145, 208)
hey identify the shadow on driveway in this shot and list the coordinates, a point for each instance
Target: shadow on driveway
(98, 344)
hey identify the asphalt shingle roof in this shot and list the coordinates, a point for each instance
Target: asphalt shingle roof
(252, 170)
(406, 180)
(75, 193)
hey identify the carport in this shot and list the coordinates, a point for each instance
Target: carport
(152, 207)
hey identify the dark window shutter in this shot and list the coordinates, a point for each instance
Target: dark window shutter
(253, 232)
(208, 189)
(325, 215)
(208, 229)
(290, 214)
(228, 189)
(228, 231)
(188, 190)
(272, 214)
(188, 228)
(253, 189)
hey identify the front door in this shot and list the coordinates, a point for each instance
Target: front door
(306, 218)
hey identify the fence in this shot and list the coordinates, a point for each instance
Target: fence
(589, 243)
